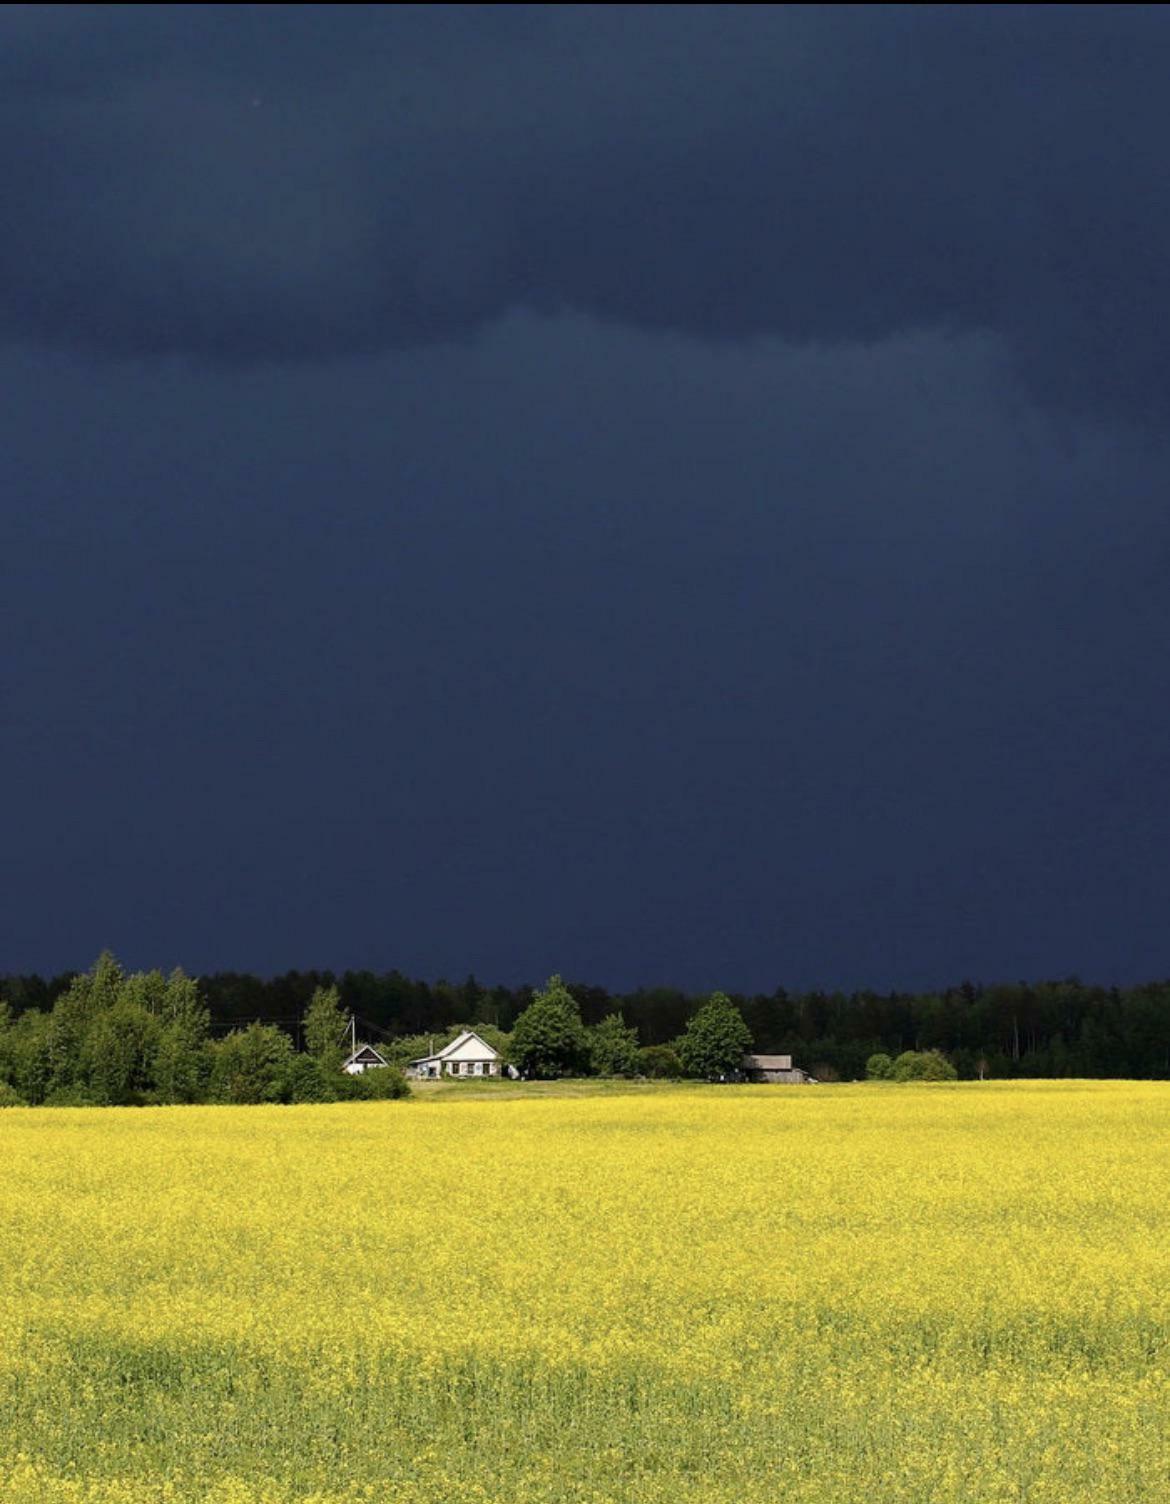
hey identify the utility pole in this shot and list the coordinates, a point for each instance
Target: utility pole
(353, 1033)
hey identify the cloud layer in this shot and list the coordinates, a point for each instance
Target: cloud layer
(274, 183)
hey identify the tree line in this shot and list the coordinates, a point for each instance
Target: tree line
(105, 1035)
(112, 1038)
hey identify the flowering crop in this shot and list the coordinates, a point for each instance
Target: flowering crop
(823, 1295)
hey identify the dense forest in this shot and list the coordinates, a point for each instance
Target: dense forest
(1056, 1028)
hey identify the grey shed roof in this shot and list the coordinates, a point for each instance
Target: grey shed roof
(767, 1062)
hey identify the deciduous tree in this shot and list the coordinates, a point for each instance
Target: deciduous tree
(715, 1040)
(324, 1027)
(613, 1047)
(549, 1038)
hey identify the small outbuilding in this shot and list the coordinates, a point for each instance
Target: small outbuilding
(364, 1058)
(468, 1055)
(774, 1068)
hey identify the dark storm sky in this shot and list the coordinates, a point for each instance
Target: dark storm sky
(659, 494)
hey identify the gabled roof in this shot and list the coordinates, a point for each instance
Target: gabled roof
(457, 1043)
(364, 1053)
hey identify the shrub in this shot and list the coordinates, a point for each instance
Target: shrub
(311, 1080)
(923, 1065)
(879, 1067)
(659, 1062)
(71, 1096)
(10, 1097)
(385, 1083)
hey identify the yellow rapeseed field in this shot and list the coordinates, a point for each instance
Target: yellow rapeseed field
(830, 1294)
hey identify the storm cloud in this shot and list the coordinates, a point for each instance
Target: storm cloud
(658, 494)
(259, 183)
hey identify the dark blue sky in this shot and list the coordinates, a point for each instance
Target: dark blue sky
(661, 495)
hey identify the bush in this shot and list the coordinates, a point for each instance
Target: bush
(879, 1067)
(385, 1083)
(923, 1065)
(659, 1062)
(310, 1080)
(71, 1096)
(10, 1097)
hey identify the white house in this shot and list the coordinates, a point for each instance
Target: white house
(468, 1055)
(364, 1058)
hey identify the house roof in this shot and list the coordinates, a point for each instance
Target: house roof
(767, 1062)
(459, 1040)
(364, 1052)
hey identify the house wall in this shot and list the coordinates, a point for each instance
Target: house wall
(423, 1072)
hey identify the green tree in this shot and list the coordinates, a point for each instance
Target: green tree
(146, 988)
(613, 1047)
(307, 1079)
(28, 1059)
(549, 1038)
(879, 1067)
(715, 1040)
(118, 1057)
(182, 1062)
(324, 1027)
(75, 1012)
(251, 1065)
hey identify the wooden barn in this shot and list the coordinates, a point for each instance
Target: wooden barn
(774, 1068)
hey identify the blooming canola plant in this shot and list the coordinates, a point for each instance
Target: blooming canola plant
(878, 1293)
